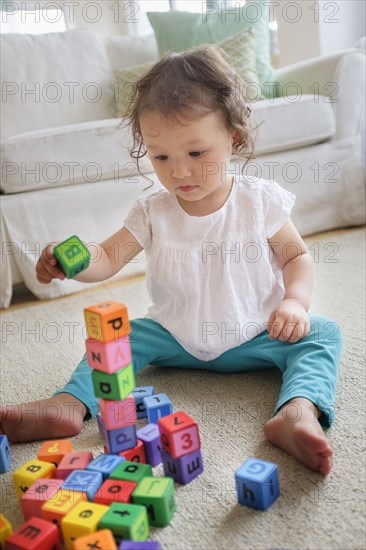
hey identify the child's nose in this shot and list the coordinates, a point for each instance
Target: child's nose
(181, 170)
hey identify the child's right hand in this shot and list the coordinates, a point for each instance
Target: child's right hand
(47, 267)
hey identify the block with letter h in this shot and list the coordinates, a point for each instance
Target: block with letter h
(108, 353)
(257, 484)
(180, 447)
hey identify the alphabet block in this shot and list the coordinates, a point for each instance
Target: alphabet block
(108, 356)
(105, 464)
(157, 494)
(257, 483)
(139, 394)
(55, 509)
(27, 474)
(179, 434)
(183, 469)
(39, 492)
(5, 530)
(133, 545)
(157, 406)
(83, 519)
(5, 456)
(150, 436)
(76, 460)
(102, 539)
(114, 490)
(118, 440)
(136, 454)
(72, 256)
(131, 471)
(34, 534)
(126, 521)
(107, 321)
(118, 414)
(54, 451)
(116, 386)
(84, 481)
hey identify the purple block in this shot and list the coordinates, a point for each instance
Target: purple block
(117, 440)
(145, 545)
(150, 436)
(183, 469)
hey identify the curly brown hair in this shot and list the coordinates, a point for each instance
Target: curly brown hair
(192, 84)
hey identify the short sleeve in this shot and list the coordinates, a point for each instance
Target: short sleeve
(277, 206)
(138, 222)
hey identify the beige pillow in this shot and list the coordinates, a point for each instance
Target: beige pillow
(241, 49)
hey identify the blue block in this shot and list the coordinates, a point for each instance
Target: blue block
(117, 440)
(105, 464)
(84, 482)
(136, 545)
(150, 436)
(5, 456)
(157, 406)
(138, 395)
(257, 484)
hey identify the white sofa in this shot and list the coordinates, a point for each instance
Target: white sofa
(65, 163)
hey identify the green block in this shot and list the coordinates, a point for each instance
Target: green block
(157, 494)
(72, 256)
(116, 386)
(131, 471)
(126, 521)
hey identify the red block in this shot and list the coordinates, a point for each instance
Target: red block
(179, 434)
(40, 492)
(114, 490)
(35, 534)
(118, 414)
(77, 460)
(136, 454)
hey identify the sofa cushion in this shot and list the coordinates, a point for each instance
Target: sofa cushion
(179, 30)
(85, 152)
(292, 122)
(128, 51)
(54, 79)
(241, 49)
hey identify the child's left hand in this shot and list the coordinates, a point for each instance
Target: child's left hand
(289, 322)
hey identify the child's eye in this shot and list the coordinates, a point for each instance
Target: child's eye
(196, 153)
(161, 157)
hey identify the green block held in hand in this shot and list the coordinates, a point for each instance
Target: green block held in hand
(72, 256)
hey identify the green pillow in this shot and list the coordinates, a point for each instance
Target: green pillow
(180, 30)
(241, 48)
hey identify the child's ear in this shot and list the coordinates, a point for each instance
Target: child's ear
(236, 137)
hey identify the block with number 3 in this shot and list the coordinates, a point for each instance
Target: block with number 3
(179, 434)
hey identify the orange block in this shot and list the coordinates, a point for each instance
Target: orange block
(102, 539)
(107, 321)
(58, 506)
(54, 451)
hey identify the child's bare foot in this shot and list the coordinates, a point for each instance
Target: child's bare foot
(58, 416)
(296, 430)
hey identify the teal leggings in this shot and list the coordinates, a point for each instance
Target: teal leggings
(309, 367)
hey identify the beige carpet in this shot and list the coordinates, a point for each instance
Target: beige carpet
(312, 512)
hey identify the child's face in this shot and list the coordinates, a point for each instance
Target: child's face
(189, 156)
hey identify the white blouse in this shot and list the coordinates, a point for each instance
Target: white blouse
(213, 280)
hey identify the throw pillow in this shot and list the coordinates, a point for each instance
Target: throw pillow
(241, 49)
(179, 30)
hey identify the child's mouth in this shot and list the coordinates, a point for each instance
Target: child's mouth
(187, 188)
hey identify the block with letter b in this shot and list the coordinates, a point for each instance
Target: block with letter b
(27, 474)
(257, 483)
(107, 321)
(179, 434)
(72, 256)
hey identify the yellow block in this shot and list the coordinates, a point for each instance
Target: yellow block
(27, 474)
(5, 530)
(55, 509)
(83, 519)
